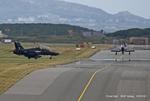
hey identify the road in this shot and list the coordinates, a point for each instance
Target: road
(103, 77)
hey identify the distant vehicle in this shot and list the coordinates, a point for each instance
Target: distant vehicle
(123, 48)
(93, 47)
(32, 52)
(7, 41)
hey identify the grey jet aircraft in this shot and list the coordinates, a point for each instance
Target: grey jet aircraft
(123, 48)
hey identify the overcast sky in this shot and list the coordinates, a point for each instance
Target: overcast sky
(138, 7)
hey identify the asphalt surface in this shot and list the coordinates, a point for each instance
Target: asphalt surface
(103, 77)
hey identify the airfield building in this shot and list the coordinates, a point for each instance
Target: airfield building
(139, 40)
(2, 35)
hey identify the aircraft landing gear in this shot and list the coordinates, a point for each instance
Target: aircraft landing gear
(50, 57)
(129, 53)
(116, 53)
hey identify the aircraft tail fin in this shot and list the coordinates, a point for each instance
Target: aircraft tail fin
(18, 46)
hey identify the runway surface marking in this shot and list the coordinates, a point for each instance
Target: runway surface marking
(89, 82)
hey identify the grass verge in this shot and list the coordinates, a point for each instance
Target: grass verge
(13, 68)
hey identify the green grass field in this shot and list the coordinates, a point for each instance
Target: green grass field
(13, 68)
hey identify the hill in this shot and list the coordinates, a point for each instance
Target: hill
(14, 30)
(135, 32)
(60, 33)
(58, 11)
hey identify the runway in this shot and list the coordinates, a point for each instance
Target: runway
(103, 77)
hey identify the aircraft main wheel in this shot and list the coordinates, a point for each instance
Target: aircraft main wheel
(129, 53)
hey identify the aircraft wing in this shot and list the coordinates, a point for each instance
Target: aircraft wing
(116, 50)
(129, 50)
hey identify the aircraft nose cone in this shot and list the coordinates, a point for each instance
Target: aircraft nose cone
(56, 53)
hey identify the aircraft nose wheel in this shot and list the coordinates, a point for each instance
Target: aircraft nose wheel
(50, 57)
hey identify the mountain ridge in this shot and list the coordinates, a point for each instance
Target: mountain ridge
(62, 12)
